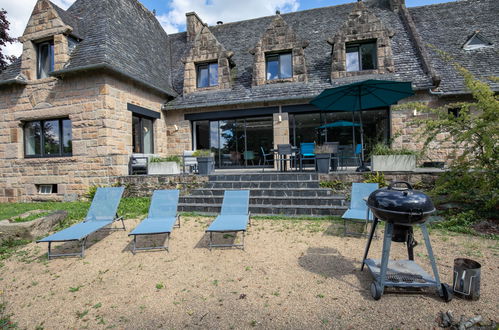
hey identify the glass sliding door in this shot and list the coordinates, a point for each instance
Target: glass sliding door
(235, 142)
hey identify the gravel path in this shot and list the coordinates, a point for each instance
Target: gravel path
(292, 274)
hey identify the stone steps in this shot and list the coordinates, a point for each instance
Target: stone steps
(269, 200)
(267, 209)
(290, 194)
(261, 184)
(274, 192)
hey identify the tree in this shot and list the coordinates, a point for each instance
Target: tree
(473, 178)
(4, 39)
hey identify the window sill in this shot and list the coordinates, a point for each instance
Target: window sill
(210, 88)
(42, 80)
(45, 160)
(278, 81)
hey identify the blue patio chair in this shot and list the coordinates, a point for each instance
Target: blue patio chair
(347, 155)
(234, 216)
(102, 212)
(307, 152)
(161, 218)
(358, 209)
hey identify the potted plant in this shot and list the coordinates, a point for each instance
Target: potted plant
(206, 161)
(384, 158)
(164, 165)
(323, 158)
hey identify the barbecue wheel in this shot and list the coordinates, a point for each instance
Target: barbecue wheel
(445, 292)
(375, 290)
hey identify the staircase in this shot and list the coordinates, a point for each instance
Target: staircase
(291, 194)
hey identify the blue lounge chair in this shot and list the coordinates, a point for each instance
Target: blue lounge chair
(358, 209)
(161, 218)
(102, 212)
(234, 217)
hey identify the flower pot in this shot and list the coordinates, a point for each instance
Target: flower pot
(393, 162)
(163, 168)
(206, 165)
(323, 162)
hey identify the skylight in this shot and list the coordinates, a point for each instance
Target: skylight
(476, 41)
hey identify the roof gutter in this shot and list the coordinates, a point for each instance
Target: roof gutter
(105, 66)
(13, 81)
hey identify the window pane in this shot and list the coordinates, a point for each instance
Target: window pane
(213, 74)
(67, 137)
(353, 59)
(32, 138)
(136, 134)
(147, 133)
(286, 66)
(43, 60)
(203, 76)
(51, 137)
(368, 53)
(272, 68)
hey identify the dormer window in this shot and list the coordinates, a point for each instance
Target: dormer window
(45, 59)
(207, 75)
(361, 56)
(476, 41)
(279, 66)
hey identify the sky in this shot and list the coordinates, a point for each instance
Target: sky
(171, 13)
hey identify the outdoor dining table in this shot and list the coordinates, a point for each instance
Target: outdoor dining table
(282, 158)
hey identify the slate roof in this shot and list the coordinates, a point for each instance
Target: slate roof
(448, 26)
(118, 35)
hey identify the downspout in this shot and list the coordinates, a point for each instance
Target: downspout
(420, 49)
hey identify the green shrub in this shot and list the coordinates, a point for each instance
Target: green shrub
(172, 158)
(381, 149)
(375, 177)
(202, 153)
(335, 185)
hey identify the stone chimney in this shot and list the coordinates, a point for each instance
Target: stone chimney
(194, 25)
(395, 5)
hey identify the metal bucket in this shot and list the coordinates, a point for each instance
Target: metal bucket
(466, 282)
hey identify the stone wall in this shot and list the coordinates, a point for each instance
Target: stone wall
(144, 185)
(101, 133)
(279, 37)
(204, 48)
(361, 26)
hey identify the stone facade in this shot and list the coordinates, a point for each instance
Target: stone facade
(362, 25)
(204, 48)
(101, 133)
(279, 37)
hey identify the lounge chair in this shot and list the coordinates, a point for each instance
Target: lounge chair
(358, 209)
(102, 212)
(161, 218)
(234, 216)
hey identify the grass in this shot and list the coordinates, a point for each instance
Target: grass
(5, 321)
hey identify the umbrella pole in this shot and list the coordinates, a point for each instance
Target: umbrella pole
(362, 167)
(353, 131)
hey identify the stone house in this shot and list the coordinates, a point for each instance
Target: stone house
(102, 80)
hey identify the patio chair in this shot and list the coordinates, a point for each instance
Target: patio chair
(249, 156)
(285, 154)
(265, 158)
(347, 155)
(307, 152)
(138, 164)
(190, 162)
(358, 209)
(161, 219)
(102, 212)
(234, 217)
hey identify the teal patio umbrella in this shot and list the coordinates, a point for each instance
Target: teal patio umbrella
(363, 95)
(340, 123)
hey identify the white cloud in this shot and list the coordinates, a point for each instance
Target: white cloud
(211, 11)
(18, 13)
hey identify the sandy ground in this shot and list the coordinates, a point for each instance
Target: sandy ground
(292, 274)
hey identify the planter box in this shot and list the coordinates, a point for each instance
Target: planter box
(323, 162)
(163, 168)
(393, 162)
(206, 165)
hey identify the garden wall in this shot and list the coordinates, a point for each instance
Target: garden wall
(144, 185)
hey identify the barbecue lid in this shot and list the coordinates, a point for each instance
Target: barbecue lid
(400, 197)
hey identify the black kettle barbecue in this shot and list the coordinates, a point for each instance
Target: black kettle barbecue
(401, 207)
